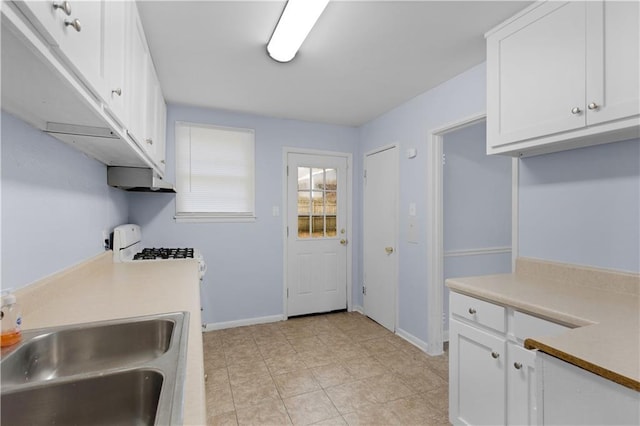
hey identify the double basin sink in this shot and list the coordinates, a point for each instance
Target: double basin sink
(120, 372)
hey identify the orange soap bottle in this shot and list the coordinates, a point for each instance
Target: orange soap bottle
(11, 320)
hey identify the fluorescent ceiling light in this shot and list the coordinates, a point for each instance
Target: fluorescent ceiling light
(298, 18)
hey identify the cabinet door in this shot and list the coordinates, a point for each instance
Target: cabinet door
(161, 129)
(574, 396)
(521, 386)
(155, 118)
(80, 46)
(536, 74)
(115, 56)
(613, 60)
(137, 72)
(476, 376)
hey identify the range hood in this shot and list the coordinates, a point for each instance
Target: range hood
(137, 179)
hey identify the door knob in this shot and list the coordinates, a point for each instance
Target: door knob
(389, 250)
(343, 242)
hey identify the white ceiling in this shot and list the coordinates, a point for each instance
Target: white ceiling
(361, 59)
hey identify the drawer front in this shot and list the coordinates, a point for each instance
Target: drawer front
(525, 326)
(478, 311)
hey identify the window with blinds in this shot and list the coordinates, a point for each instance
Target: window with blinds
(215, 169)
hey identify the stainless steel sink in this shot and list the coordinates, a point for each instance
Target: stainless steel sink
(81, 350)
(125, 398)
(126, 371)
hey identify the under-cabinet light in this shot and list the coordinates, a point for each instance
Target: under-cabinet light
(297, 19)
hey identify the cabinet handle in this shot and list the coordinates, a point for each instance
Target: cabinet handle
(149, 141)
(162, 161)
(517, 365)
(472, 311)
(75, 24)
(65, 6)
(593, 106)
(576, 110)
(117, 91)
(495, 355)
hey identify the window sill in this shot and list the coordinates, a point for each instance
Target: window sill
(213, 219)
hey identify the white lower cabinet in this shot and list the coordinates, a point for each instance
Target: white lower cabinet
(492, 377)
(574, 396)
(476, 376)
(521, 385)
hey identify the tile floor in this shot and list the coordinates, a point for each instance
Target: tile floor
(332, 369)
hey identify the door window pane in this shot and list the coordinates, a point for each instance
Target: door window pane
(317, 202)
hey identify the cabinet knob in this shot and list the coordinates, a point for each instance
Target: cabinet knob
(495, 355)
(593, 106)
(117, 91)
(75, 24)
(162, 161)
(517, 365)
(472, 311)
(149, 141)
(576, 110)
(65, 6)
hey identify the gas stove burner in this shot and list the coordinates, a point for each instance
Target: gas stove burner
(164, 253)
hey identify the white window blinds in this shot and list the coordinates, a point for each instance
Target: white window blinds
(214, 172)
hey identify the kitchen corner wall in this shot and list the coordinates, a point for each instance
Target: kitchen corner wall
(245, 260)
(583, 206)
(55, 204)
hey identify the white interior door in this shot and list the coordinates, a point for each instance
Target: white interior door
(380, 237)
(317, 236)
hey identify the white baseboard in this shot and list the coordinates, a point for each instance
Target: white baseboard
(357, 308)
(420, 344)
(243, 322)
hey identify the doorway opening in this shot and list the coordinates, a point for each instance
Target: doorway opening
(473, 223)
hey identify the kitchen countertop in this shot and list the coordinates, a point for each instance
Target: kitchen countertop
(99, 289)
(603, 306)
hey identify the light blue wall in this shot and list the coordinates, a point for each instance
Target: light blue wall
(583, 206)
(245, 260)
(409, 125)
(55, 204)
(476, 192)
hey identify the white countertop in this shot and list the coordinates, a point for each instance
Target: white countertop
(606, 317)
(101, 290)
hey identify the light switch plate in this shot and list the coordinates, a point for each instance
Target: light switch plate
(412, 232)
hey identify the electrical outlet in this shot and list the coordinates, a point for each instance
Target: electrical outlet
(105, 239)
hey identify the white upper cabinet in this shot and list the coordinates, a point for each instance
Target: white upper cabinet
(562, 75)
(115, 93)
(613, 60)
(147, 119)
(540, 74)
(158, 124)
(137, 74)
(74, 29)
(82, 71)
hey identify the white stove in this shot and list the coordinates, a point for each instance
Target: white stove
(127, 247)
